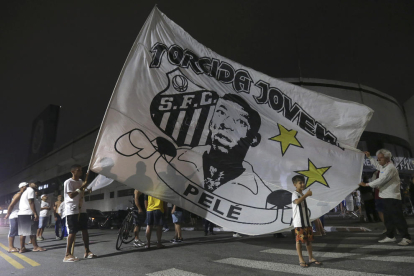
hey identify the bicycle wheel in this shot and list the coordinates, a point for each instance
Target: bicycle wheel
(119, 238)
(128, 234)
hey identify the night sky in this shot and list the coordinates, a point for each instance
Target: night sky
(70, 53)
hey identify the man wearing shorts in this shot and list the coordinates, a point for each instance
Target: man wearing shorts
(28, 219)
(155, 213)
(43, 217)
(12, 215)
(138, 216)
(76, 217)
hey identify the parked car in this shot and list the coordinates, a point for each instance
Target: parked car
(95, 218)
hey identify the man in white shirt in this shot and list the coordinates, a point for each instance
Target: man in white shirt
(388, 184)
(28, 219)
(43, 217)
(76, 217)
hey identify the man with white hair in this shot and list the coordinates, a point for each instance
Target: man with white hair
(388, 184)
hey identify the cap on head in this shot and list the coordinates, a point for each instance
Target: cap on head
(21, 185)
(43, 196)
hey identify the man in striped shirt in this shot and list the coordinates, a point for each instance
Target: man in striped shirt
(301, 221)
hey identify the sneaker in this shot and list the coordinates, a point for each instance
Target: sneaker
(388, 240)
(57, 238)
(166, 229)
(180, 240)
(236, 235)
(65, 238)
(39, 239)
(405, 242)
(173, 241)
(138, 243)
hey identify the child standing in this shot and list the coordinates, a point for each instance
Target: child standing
(301, 222)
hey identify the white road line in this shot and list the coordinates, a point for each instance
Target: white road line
(305, 253)
(173, 272)
(295, 269)
(360, 246)
(332, 255)
(347, 238)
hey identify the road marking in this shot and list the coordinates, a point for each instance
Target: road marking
(305, 253)
(333, 255)
(288, 268)
(173, 272)
(347, 238)
(11, 261)
(20, 256)
(360, 246)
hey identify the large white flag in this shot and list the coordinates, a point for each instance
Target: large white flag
(222, 140)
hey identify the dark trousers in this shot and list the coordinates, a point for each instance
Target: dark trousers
(370, 210)
(58, 224)
(208, 226)
(394, 218)
(63, 226)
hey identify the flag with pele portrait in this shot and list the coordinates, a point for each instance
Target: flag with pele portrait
(222, 140)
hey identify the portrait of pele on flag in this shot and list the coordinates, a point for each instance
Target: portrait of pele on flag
(210, 162)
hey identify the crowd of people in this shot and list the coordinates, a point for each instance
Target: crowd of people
(28, 215)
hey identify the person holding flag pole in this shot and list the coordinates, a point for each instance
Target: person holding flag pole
(76, 217)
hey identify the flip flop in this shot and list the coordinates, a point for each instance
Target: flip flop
(14, 250)
(90, 255)
(303, 264)
(38, 250)
(159, 246)
(23, 251)
(315, 262)
(70, 260)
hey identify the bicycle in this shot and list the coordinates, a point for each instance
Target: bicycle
(126, 232)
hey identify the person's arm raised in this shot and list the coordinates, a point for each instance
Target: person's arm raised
(302, 198)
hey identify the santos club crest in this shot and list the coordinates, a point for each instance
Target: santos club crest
(183, 109)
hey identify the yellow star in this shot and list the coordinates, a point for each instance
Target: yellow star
(314, 174)
(286, 138)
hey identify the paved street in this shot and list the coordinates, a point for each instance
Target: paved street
(342, 253)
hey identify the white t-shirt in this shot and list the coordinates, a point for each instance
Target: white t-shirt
(24, 207)
(300, 213)
(44, 213)
(61, 209)
(72, 204)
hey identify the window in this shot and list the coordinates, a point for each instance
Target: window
(111, 194)
(96, 197)
(42, 187)
(127, 192)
